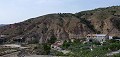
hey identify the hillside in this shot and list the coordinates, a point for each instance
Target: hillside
(2, 25)
(62, 25)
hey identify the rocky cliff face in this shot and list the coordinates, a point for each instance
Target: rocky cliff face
(62, 25)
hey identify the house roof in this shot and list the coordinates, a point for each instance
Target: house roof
(57, 43)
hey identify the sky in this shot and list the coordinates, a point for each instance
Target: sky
(13, 11)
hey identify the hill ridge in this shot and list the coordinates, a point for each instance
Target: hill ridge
(62, 25)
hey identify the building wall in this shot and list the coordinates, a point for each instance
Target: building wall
(76, 36)
(97, 37)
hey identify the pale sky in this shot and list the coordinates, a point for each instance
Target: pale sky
(13, 11)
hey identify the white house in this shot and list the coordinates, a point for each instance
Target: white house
(2, 35)
(98, 37)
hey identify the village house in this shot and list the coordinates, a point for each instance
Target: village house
(18, 39)
(2, 35)
(98, 37)
(2, 39)
(56, 45)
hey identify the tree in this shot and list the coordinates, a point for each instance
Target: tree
(66, 44)
(42, 49)
(52, 40)
(46, 48)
